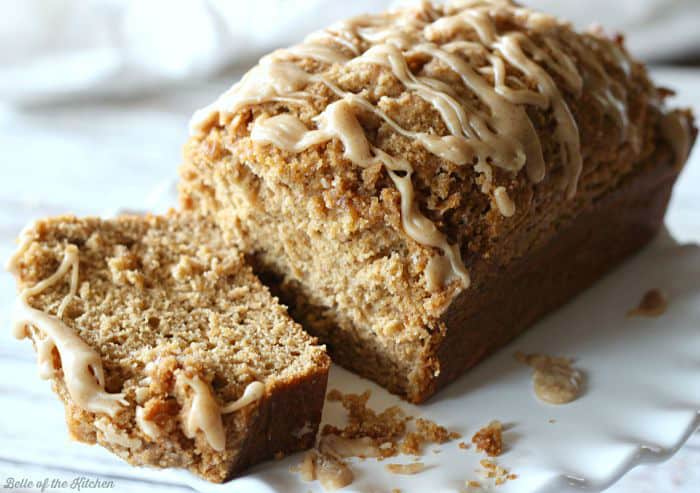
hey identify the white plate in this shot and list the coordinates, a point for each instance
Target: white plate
(641, 404)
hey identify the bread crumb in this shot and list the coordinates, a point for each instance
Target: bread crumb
(489, 439)
(372, 434)
(334, 395)
(363, 422)
(412, 443)
(385, 430)
(426, 432)
(491, 470)
(653, 304)
(414, 468)
(464, 446)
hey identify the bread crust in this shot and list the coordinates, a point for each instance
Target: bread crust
(286, 422)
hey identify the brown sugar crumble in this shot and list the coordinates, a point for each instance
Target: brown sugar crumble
(426, 432)
(372, 434)
(489, 439)
(653, 304)
(387, 431)
(379, 430)
(498, 474)
(464, 446)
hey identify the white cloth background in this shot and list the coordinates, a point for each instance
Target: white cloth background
(58, 50)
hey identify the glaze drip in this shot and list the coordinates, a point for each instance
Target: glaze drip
(490, 129)
(83, 372)
(204, 412)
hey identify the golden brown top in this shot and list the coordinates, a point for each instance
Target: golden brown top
(443, 99)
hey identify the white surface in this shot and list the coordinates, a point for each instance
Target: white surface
(63, 50)
(92, 157)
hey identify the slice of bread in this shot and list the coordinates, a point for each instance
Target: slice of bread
(164, 346)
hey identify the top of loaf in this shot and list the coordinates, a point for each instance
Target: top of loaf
(460, 118)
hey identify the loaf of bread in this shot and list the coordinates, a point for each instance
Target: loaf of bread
(422, 185)
(163, 345)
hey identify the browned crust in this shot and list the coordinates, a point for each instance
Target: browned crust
(297, 405)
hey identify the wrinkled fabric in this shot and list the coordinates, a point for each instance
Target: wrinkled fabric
(61, 50)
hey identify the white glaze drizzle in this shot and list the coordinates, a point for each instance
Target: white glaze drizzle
(253, 392)
(83, 373)
(149, 428)
(204, 413)
(503, 201)
(500, 135)
(115, 436)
